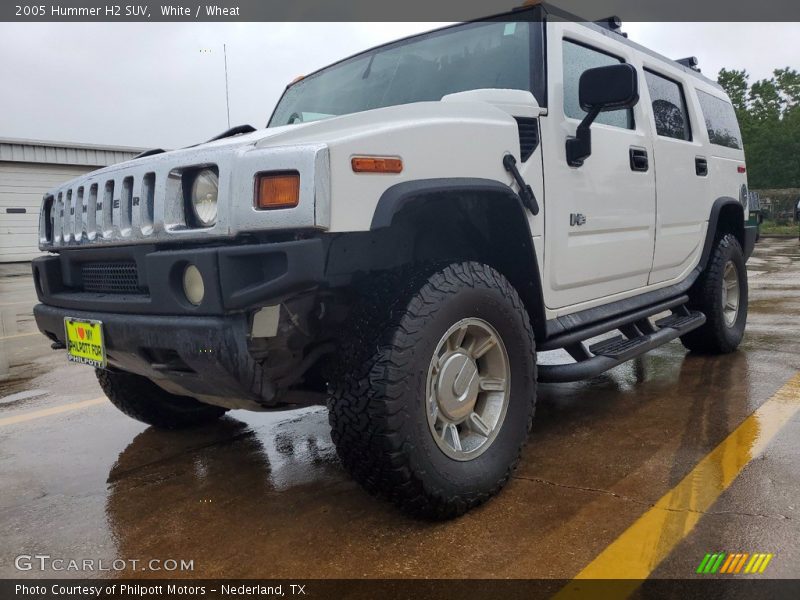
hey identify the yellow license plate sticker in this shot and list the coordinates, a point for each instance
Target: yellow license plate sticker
(85, 342)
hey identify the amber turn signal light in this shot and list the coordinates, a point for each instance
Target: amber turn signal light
(277, 190)
(376, 164)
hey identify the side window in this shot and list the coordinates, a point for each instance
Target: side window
(669, 107)
(577, 59)
(723, 128)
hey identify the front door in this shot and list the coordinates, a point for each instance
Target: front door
(600, 217)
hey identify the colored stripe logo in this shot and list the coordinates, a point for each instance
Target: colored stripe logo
(734, 563)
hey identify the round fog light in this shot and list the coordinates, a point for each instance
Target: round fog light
(193, 285)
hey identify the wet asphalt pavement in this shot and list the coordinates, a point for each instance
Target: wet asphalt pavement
(263, 495)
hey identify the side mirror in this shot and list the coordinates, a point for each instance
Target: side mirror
(601, 89)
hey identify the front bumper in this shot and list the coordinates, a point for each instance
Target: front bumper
(203, 357)
(198, 351)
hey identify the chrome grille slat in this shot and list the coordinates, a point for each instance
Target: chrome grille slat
(69, 217)
(147, 203)
(80, 215)
(106, 212)
(126, 207)
(91, 215)
(116, 212)
(58, 227)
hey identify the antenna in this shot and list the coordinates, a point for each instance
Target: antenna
(227, 97)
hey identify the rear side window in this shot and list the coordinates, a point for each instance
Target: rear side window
(669, 107)
(723, 128)
(577, 59)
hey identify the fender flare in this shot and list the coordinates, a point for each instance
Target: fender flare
(398, 196)
(713, 222)
(402, 195)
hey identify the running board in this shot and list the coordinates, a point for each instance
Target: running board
(639, 337)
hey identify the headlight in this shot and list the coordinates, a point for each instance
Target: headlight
(205, 189)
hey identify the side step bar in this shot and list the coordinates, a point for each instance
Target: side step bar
(640, 336)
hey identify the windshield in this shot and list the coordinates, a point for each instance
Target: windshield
(468, 57)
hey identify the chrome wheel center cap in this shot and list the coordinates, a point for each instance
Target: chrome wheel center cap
(467, 389)
(457, 386)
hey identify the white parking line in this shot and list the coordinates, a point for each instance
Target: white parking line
(27, 302)
(19, 335)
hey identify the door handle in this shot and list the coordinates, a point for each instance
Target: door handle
(639, 161)
(701, 166)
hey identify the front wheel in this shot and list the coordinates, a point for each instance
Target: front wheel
(721, 294)
(438, 400)
(143, 400)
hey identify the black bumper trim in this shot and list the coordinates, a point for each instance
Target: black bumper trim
(236, 277)
(203, 357)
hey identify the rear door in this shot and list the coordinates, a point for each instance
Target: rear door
(682, 182)
(600, 217)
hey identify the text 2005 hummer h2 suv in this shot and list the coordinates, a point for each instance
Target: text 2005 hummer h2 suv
(414, 224)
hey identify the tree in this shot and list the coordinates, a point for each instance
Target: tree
(736, 85)
(769, 117)
(788, 82)
(766, 103)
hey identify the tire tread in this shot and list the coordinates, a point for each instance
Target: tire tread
(368, 407)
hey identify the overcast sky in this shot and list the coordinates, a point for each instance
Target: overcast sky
(148, 84)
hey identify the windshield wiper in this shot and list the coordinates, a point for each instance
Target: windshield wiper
(238, 130)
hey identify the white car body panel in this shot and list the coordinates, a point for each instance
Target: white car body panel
(612, 252)
(643, 230)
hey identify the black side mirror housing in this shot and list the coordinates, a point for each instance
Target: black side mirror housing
(601, 89)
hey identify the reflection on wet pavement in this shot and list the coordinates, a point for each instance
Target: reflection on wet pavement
(263, 495)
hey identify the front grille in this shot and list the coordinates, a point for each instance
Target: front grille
(111, 278)
(89, 211)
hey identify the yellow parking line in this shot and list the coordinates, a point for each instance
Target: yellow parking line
(47, 412)
(638, 551)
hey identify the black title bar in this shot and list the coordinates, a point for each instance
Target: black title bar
(391, 10)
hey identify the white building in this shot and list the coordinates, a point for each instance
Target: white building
(28, 168)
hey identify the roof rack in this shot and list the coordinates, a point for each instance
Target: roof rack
(612, 23)
(689, 61)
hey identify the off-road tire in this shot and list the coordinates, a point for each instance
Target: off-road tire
(143, 400)
(716, 336)
(378, 409)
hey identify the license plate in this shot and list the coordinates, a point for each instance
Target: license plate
(85, 342)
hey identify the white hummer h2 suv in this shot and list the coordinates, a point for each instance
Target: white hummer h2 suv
(411, 227)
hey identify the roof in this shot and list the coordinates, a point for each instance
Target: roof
(63, 153)
(567, 16)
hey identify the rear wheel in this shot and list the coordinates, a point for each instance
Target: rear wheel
(437, 401)
(721, 294)
(143, 400)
